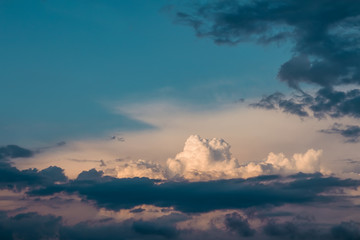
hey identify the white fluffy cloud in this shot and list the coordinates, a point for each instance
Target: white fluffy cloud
(203, 159)
(210, 159)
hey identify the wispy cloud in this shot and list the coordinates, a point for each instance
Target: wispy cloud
(350, 132)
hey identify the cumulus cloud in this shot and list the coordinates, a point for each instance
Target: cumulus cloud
(210, 159)
(203, 159)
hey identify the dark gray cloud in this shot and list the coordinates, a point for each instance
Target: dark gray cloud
(12, 178)
(30, 226)
(291, 230)
(278, 101)
(346, 231)
(115, 194)
(15, 179)
(93, 176)
(312, 231)
(153, 228)
(325, 102)
(326, 44)
(14, 151)
(235, 222)
(53, 174)
(350, 132)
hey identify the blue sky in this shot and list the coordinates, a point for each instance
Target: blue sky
(63, 62)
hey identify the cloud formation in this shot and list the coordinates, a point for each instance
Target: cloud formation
(211, 159)
(325, 45)
(183, 202)
(204, 159)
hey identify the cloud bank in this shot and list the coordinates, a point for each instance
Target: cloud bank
(191, 197)
(174, 209)
(30, 226)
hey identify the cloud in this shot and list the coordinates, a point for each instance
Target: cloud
(53, 174)
(91, 175)
(256, 136)
(278, 101)
(14, 151)
(203, 159)
(325, 44)
(13, 178)
(206, 159)
(312, 231)
(235, 222)
(209, 159)
(32, 225)
(153, 228)
(350, 132)
(291, 230)
(346, 230)
(116, 194)
(325, 102)
(140, 168)
(29, 226)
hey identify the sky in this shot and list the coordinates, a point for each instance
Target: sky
(169, 119)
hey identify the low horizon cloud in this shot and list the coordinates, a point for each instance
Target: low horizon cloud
(202, 190)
